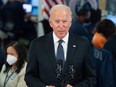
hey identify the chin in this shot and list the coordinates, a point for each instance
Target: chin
(61, 36)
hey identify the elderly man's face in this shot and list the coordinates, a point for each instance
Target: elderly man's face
(60, 21)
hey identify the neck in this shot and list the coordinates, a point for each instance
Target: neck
(13, 68)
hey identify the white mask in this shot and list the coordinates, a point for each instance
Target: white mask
(11, 59)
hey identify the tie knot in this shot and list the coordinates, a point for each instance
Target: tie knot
(60, 41)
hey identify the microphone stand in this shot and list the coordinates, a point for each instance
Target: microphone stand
(70, 76)
(63, 83)
(70, 73)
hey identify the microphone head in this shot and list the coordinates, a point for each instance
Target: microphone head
(59, 69)
(71, 73)
(71, 69)
(59, 66)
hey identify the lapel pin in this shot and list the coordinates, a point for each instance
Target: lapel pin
(74, 45)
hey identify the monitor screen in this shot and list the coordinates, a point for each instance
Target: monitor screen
(27, 7)
(34, 11)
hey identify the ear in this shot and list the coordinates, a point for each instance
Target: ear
(50, 22)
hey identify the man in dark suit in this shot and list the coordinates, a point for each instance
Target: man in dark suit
(77, 69)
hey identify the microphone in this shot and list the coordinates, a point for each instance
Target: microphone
(70, 74)
(59, 69)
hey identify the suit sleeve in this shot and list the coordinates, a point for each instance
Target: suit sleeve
(32, 70)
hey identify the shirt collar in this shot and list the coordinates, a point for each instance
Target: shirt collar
(56, 39)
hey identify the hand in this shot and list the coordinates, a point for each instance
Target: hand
(68, 85)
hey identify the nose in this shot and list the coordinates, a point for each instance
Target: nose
(61, 24)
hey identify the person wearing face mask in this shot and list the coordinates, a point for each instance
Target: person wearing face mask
(13, 71)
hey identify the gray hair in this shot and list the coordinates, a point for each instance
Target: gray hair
(60, 6)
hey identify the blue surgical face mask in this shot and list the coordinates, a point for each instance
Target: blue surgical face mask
(11, 59)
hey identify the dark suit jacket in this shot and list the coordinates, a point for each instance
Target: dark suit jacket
(41, 68)
(103, 61)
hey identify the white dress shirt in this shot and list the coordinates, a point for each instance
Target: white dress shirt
(64, 44)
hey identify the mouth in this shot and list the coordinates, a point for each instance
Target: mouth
(60, 31)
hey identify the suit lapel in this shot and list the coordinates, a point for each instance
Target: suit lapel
(72, 47)
(49, 47)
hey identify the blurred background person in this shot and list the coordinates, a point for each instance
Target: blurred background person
(78, 27)
(111, 45)
(14, 14)
(104, 30)
(29, 32)
(13, 71)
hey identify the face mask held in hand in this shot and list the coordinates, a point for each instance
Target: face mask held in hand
(11, 59)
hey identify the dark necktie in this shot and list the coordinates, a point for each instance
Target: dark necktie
(60, 51)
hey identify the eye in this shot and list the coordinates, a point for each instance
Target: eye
(57, 21)
(64, 21)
